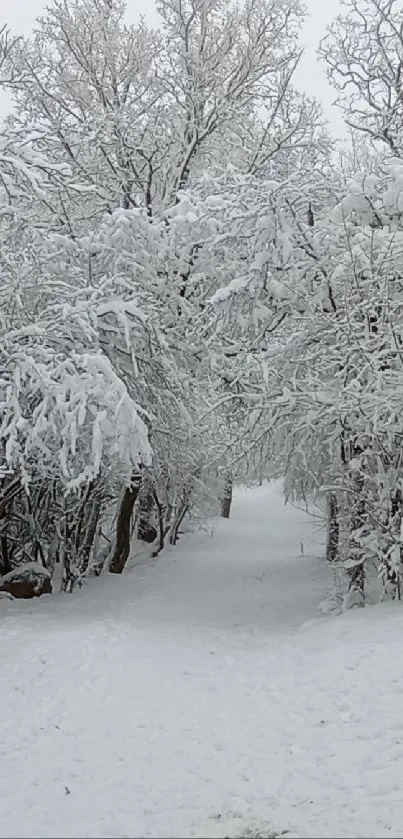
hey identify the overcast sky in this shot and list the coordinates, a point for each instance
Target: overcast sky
(20, 16)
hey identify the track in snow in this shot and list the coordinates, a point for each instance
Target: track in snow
(185, 699)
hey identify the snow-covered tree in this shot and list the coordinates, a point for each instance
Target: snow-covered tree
(157, 188)
(317, 316)
(363, 54)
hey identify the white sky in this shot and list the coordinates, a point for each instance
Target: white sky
(20, 16)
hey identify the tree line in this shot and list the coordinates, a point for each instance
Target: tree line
(199, 285)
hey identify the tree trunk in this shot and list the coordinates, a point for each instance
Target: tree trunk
(8, 494)
(122, 546)
(174, 532)
(161, 525)
(5, 564)
(146, 530)
(356, 553)
(226, 500)
(332, 541)
(90, 531)
(357, 581)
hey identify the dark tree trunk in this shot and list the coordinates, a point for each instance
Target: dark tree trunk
(161, 525)
(357, 580)
(146, 530)
(76, 515)
(332, 542)
(358, 517)
(5, 564)
(226, 500)
(8, 494)
(89, 536)
(122, 546)
(174, 534)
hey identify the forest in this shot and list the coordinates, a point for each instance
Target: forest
(200, 287)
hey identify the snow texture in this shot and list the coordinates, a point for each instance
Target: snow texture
(202, 695)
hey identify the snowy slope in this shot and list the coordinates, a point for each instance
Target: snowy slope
(203, 695)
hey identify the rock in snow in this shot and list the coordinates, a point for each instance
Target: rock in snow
(26, 581)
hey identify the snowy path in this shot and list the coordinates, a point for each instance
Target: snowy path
(188, 698)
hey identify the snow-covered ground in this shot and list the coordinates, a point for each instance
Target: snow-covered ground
(204, 695)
